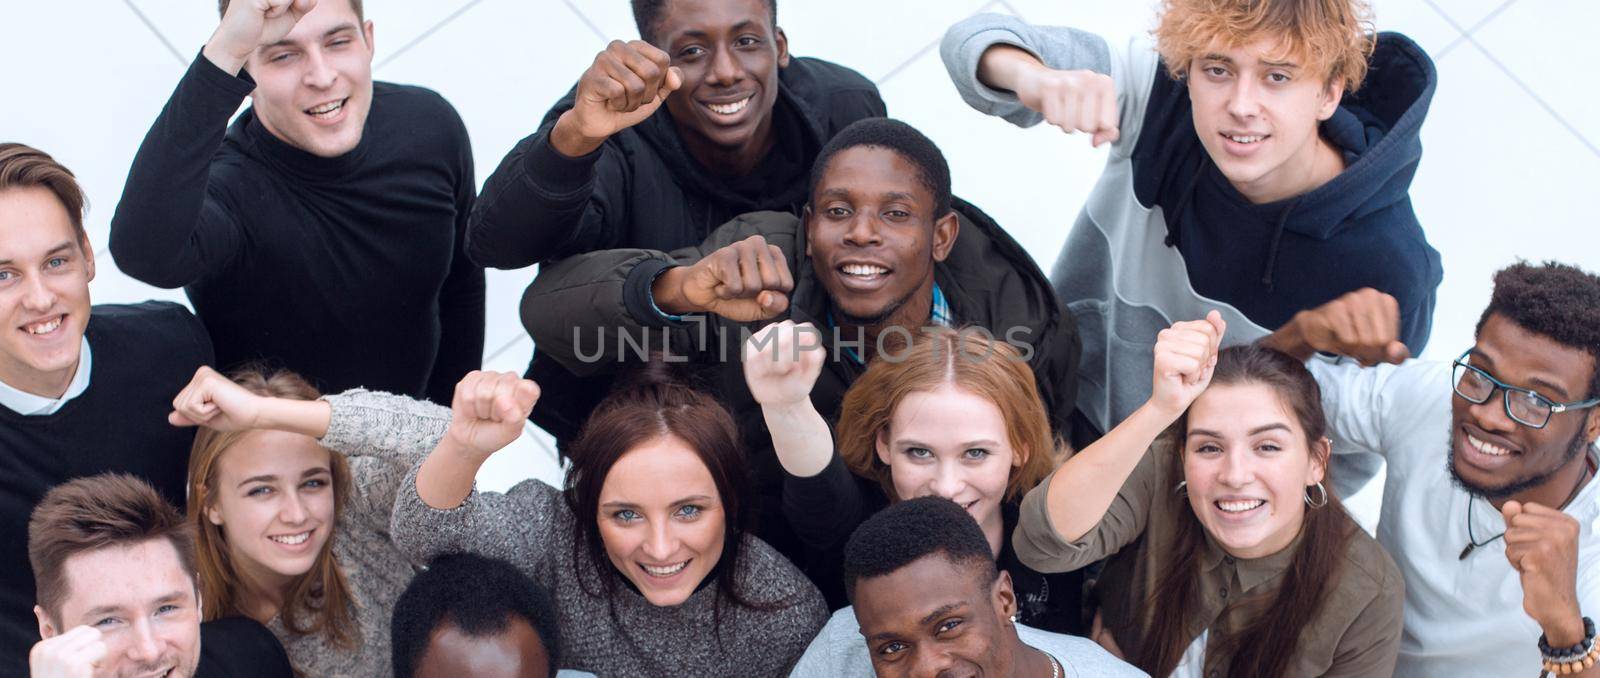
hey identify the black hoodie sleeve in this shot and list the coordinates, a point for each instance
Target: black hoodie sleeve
(171, 227)
(825, 508)
(540, 205)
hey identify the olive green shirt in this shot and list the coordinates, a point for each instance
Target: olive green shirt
(1355, 633)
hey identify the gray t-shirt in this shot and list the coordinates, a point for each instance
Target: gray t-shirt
(840, 651)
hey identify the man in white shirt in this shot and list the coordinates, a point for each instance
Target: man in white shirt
(1490, 508)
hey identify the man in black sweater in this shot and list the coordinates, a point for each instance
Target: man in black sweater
(661, 141)
(83, 390)
(323, 230)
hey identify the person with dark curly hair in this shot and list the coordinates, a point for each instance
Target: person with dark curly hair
(470, 615)
(1497, 534)
(929, 600)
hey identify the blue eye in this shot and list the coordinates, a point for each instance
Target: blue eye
(977, 453)
(315, 484)
(106, 622)
(56, 262)
(690, 511)
(919, 453)
(7, 275)
(626, 515)
(259, 491)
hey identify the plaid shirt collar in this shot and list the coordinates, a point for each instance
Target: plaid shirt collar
(939, 315)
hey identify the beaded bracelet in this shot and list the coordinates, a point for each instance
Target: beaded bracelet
(1572, 659)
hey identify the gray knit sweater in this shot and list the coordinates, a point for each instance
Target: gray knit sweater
(532, 527)
(382, 436)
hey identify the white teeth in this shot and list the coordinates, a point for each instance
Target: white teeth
(45, 327)
(864, 270)
(326, 109)
(729, 109)
(665, 571)
(292, 540)
(1487, 448)
(1240, 506)
(1245, 140)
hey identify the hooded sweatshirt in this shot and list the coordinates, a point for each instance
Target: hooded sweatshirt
(1165, 237)
(643, 189)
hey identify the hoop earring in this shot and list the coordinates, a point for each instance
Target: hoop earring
(1181, 489)
(1321, 490)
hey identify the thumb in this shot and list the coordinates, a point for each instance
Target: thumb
(177, 419)
(1396, 352)
(1510, 510)
(772, 303)
(674, 80)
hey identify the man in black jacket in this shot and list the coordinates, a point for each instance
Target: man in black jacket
(324, 230)
(661, 141)
(882, 249)
(83, 389)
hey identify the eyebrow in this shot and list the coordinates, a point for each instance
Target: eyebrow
(938, 612)
(1265, 62)
(54, 250)
(1550, 388)
(984, 442)
(697, 33)
(680, 502)
(113, 609)
(347, 26)
(1252, 432)
(268, 477)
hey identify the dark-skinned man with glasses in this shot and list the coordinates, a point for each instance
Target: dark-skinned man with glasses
(1490, 508)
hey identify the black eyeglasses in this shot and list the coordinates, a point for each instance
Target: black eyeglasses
(1522, 405)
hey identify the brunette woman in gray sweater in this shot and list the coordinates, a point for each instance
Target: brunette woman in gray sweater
(647, 552)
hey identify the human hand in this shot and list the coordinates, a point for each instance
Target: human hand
(74, 654)
(626, 83)
(1185, 357)
(489, 411)
(781, 365)
(744, 282)
(249, 24)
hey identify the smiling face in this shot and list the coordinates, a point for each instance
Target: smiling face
(45, 271)
(1257, 114)
(1248, 464)
(143, 603)
(1491, 454)
(729, 53)
(950, 443)
(515, 651)
(274, 499)
(314, 87)
(661, 520)
(873, 237)
(958, 627)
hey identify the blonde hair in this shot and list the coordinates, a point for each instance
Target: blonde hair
(969, 360)
(1330, 37)
(319, 600)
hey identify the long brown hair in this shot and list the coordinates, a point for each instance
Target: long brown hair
(318, 602)
(1266, 644)
(969, 360)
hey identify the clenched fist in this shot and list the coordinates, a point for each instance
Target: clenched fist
(743, 282)
(489, 411)
(74, 654)
(626, 83)
(249, 24)
(1185, 357)
(782, 362)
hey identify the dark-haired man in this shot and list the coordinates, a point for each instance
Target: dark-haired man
(323, 231)
(83, 389)
(962, 625)
(117, 595)
(470, 615)
(882, 249)
(661, 141)
(1490, 507)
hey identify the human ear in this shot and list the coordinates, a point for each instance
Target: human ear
(1005, 598)
(881, 444)
(782, 41)
(1332, 94)
(945, 231)
(1321, 454)
(47, 629)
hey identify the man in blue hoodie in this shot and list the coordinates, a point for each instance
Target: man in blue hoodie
(1252, 170)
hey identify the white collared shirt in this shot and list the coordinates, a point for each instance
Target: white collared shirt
(28, 404)
(1463, 617)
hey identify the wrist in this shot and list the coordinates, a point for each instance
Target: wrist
(567, 138)
(305, 417)
(1564, 629)
(1005, 67)
(1157, 414)
(459, 451)
(224, 57)
(667, 292)
(1291, 338)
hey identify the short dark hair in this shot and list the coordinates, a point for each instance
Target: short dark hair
(647, 16)
(23, 166)
(932, 170)
(910, 530)
(1552, 300)
(222, 8)
(96, 512)
(476, 594)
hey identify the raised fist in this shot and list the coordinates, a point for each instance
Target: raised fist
(214, 401)
(489, 410)
(1075, 101)
(74, 654)
(1364, 324)
(782, 361)
(626, 83)
(1185, 357)
(1542, 545)
(743, 282)
(249, 24)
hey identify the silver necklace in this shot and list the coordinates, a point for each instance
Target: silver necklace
(1055, 666)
